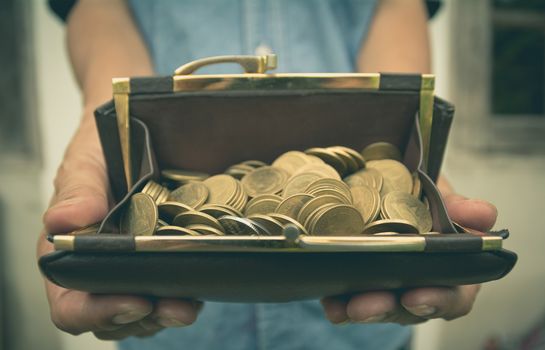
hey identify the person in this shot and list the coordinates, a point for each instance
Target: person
(113, 38)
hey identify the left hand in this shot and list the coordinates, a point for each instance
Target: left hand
(419, 304)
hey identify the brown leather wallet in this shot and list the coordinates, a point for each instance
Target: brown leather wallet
(207, 122)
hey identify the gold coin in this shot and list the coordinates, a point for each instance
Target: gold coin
(205, 230)
(322, 169)
(365, 177)
(358, 158)
(254, 163)
(298, 183)
(401, 205)
(264, 206)
(218, 211)
(291, 161)
(239, 171)
(193, 194)
(194, 218)
(264, 196)
(338, 220)
(310, 221)
(330, 158)
(330, 184)
(396, 176)
(168, 210)
(183, 176)
(417, 185)
(350, 162)
(161, 223)
(293, 204)
(140, 216)
(233, 225)
(320, 192)
(175, 231)
(314, 204)
(221, 189)
(86, 230)
(286, 220)
(240, 199)
(381, 150)
(367, 201)
(264, 180)
(272, 226)
(390, 225)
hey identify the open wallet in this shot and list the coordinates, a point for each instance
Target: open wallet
(206, 123)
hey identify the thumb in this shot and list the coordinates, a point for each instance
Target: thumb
(81, 190)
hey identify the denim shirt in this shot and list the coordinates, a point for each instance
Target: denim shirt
(307, 36)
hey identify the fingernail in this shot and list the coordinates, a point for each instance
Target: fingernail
(374, 319)
(421, 310)
(128, 317)
(170, 322)
(342, 323)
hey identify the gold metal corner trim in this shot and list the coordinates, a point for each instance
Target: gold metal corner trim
(491, 243)
(121, 90)
(426, 114)
(64, 242)
(363, 244)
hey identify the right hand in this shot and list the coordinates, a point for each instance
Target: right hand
(81, 199)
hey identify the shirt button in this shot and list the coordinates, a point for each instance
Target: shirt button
(263, 49)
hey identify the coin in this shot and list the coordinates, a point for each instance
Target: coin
(238, 171)
(218, 211)
(310, 221)
(330, 158)
(320, 192)
(395, 174)
(193, 194)
(264, 206)
(272, 226)
(401, 205)
(298, 183)
(233, 225)
(254, 163)
(264, 196)
(366, 177)
(322, 169)
(168, 210)
(221, 189)
(338, 220)
(140, 216)
(367, 201)
(350, 162)
(291, 205)
(285, 220)
(205, 230)
(358, 158)
(182, 176)
(158, 193)
(389, 225)
(291, 161)
(175, 231)
(417, 185)
(194, 218)
(381, 150)
(314, 204)
(264, 180)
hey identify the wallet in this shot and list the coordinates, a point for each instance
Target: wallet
(206, 123)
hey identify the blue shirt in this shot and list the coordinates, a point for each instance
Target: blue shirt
(307, 36)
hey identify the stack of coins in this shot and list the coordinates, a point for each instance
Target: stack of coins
(322, 191)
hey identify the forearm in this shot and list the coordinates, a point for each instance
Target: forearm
(397, 40)
(103, 43)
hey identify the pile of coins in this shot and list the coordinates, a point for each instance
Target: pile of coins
(322, 191)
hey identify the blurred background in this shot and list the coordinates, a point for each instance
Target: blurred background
(489, 58)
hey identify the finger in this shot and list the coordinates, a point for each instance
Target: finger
(133, 329)
(77, 312)
(371, 307)
(472, 213)
(335, 309)
(175, 312)
(447, 303)
(80, 194)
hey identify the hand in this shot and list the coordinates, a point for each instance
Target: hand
(81, 199)
(419, 304)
